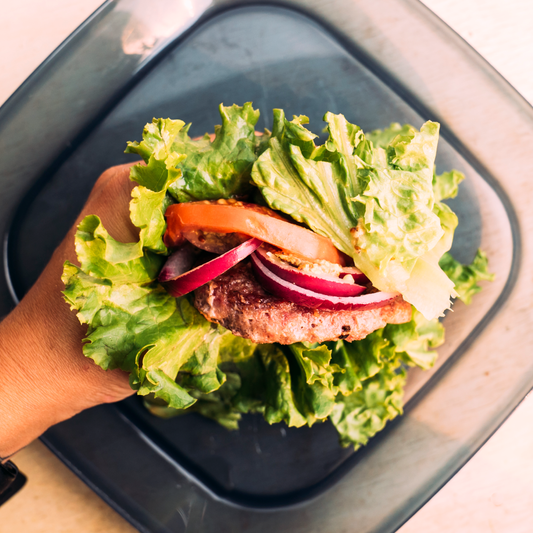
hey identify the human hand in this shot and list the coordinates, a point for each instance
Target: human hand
(45, 377)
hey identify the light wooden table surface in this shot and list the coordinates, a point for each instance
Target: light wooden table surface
(492, 493)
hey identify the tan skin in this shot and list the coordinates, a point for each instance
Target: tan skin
(44, 376)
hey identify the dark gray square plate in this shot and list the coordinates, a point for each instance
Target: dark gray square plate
(376, 62)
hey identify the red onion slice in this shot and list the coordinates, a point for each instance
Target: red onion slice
(178, 263)
(288, 291)
(325, 284)
(356, 274)
(202, 274)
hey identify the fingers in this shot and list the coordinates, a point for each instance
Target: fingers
(110, 200)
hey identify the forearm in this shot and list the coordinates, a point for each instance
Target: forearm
(33, 395)
(44, 376)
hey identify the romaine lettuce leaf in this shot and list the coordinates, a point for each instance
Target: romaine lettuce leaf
(147, 212)
(466, 277)
(315, 362)
(446, 185)
(311, 192)
(415, 341)
(150, 198)
(377, 204)
(383, 138)
(360, 415)
(156, 149)
(360, 360)
(209, 170)
(141, 329)
(279, 396)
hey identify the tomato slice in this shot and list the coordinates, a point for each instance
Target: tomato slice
(231, 216)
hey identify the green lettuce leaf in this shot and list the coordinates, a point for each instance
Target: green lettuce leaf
(156, 149)
(399, 221)
(313, 380)
(207, 170)
(375, 375)
(446, 185)
(279, 399)
(150, 199)
(311, 192)
(314, 361)
(466, 277)
(140, 329)
(102, 256)
(133, 323)
(360, 415)
(375, 204)
(216, 405)
(147, 212)
(415, 341)
(383, 138)
(360, 360)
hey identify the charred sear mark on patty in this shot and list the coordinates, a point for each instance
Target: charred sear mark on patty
(237, 301)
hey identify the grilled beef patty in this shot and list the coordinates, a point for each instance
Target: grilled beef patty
(237, 301)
